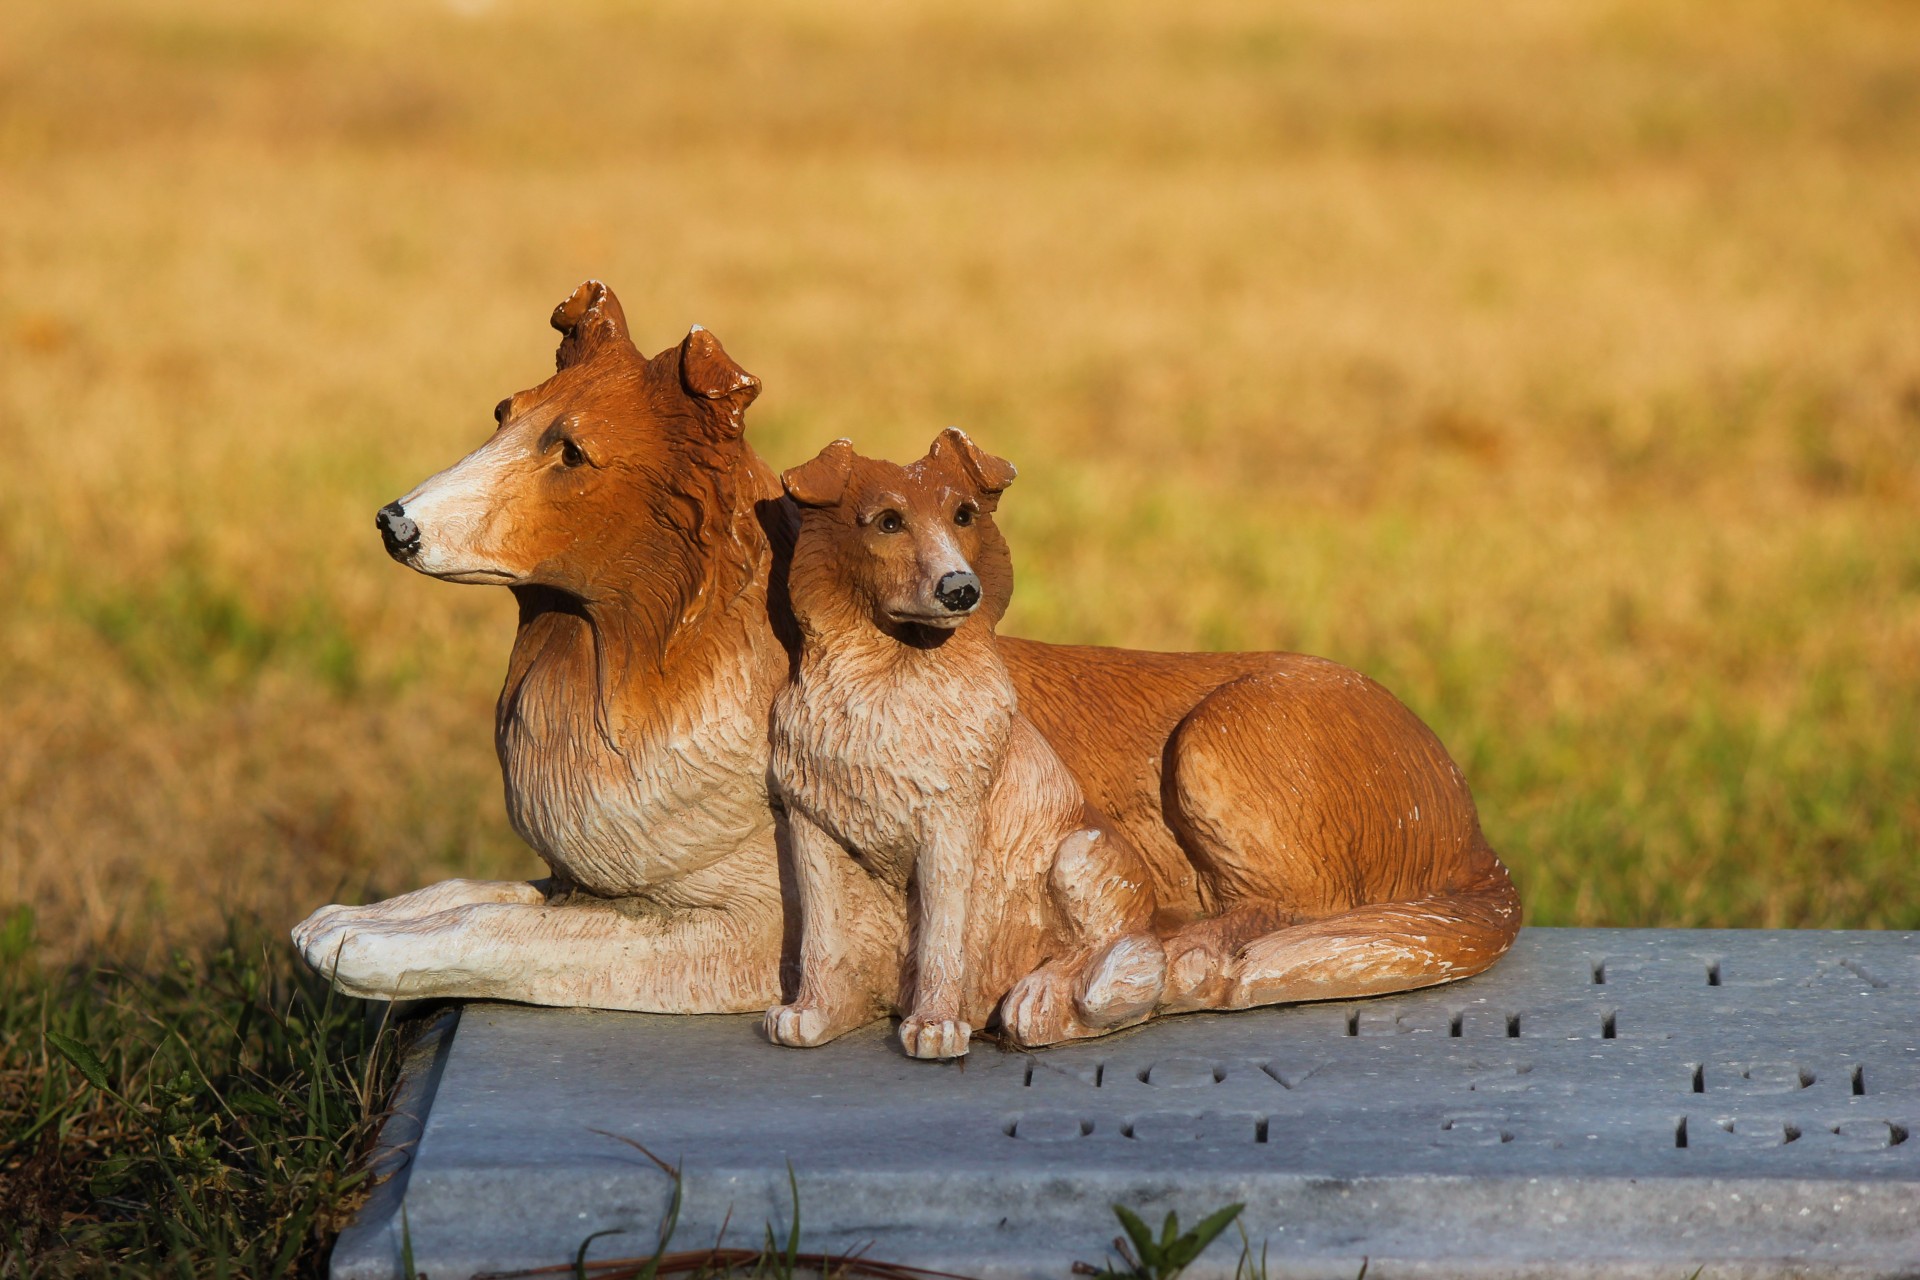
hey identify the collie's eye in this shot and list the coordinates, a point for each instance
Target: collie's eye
(890, 522)
(501, 410)
(963, 517)
(571, 454)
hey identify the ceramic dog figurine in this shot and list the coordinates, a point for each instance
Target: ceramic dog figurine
(1306, 836)
(899, 740)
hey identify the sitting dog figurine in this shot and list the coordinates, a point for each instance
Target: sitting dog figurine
(898, 742)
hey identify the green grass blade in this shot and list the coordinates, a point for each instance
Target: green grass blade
(1206, 1231)
(580, 1254)
(84, 1059)
(793, 1232)
(652, 1268)
(1138, 1232)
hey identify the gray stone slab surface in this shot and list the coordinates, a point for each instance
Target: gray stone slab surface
(1604, 1102)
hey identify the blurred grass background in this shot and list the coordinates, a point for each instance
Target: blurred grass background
(1556, 363)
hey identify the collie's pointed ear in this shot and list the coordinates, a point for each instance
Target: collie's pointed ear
(707, 371)
(588, 320)
(822, 482)
(990, 475)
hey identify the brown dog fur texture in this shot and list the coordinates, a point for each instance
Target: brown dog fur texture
(1307, 837)
(899, 741)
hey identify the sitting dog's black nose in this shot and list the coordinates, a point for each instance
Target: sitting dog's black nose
(959, 592)
(401, 535)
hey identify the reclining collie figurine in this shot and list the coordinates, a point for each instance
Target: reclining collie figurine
(899, 741)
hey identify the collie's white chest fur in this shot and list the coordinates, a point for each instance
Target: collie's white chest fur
(616, 830)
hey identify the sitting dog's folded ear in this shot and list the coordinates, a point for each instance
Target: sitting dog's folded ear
(990, 475)
(821, 483)
(588, 320)
(707, 371)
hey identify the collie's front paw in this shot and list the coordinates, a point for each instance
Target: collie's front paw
(309, 931)
(800, 1026)
(934, 1037)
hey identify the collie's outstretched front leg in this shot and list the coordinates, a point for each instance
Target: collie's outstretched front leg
(431, 900)
(587, 952)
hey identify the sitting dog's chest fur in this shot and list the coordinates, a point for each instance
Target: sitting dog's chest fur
(869, 743)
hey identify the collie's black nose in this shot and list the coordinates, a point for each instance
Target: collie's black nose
(959, 592)
(401, 535)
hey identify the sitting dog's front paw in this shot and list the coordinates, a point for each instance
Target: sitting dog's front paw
(1037, 1010)
(800, 1026)
(934, 1037)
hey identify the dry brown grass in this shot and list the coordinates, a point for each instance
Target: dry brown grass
(1558, 363)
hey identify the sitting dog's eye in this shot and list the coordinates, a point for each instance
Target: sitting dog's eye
(890, 522)
(963, 517)
(571, 454)
(501, 410)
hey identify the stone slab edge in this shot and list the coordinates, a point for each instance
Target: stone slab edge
(371, 1248)
(1415, 1226)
